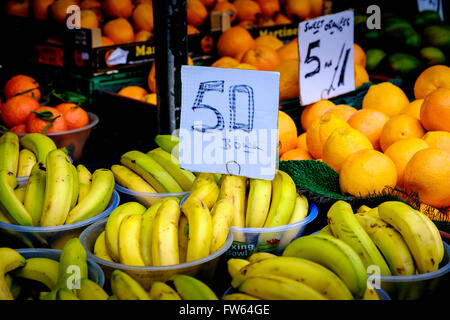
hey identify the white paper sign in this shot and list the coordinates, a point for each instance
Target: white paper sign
(229, 121)
(326, 57)
(434, 5)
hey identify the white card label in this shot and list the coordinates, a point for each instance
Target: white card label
(326, 57)
(229, 121)
(434, 5)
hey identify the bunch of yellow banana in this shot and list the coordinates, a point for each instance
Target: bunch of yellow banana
(56, 193)
(178, 287)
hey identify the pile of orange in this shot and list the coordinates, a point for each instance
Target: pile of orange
(389, 142)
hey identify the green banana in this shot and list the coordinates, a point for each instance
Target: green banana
(84, 180)
(125, 287)
(96, 200)
(89, 290)
(27, 160)
(35, 192)
(258, 203)
(43, 270)
(167, 141)
(9, 152)
(190, 288)
(10, 259)
(162, 291)
(9, 203)
(40, 144)
(72, 265)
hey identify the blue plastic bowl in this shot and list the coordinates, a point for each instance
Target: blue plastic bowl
(16, 236)
(95, 273)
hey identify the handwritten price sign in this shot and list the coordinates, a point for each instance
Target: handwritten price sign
(326, 57)
(229, 121)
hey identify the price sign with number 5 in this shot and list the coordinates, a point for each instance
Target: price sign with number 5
(229, 121)
(326, 57)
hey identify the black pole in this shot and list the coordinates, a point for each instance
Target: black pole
(170, 34)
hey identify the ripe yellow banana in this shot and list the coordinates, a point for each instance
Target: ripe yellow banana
(146, 233)
(125, 287)
(310, 273)
(201, 179)
(10, 259)
(165, 250)
(100, 249)
(75, 186)
(129, 233)
(90, 290)
(72, 265)
(183, 237)
(436, 234)
(282, 204)
(9, 152)
(416, 233)
(58, 189)
(259, 256)
(151, 171)
(96, 200)
(35, 192)
(390, 243)
(222, 216)
(274, 287)
(190, 288)
(40, 144)
(235, 188)
(43, 270)
(113, 224)
(335, 255)
(236, 264)
(346, 227)
(258, 203)
(9, 203)
(162, 291)
(238, 296)
(20, 193)
(326, 230)
(363, 209)
(84, 181)
(207, 193)
(27, 160)
(300, 212)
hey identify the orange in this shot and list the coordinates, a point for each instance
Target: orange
(296, 154)
(208, 3)
(58, 10)
(196, 13)
(413, 108)
(192, 30)
(298, 8)
(359, 56)
(430, 79)
(281, 19)
(21, 128)
(301, 141)
(245, 66)
(428, 174)
(341, 144)
(46, 120)
(401, 152)
(226, 7)
(143, 17)
(289, 88)
(74, 116)
(225, 62)
(361, 76)
(150, 98)
(438, 139)
(343, 111)
(287, 133)
(269, 41)
(370, 123)
(17, 8)
(313, 111)
(23, 85)
(119, 30)
(262, 57)
(435, 110)
(247, 10)
(133, 92)
(16, 110)
(142, 35)
(88, 19)
(234, 41)
(269, 7)
(90, 4)
(40, 8)
(385, 97)
(289, 50)
(151, 80)
(367, 172)
(320, 130)
(316, 8)
(107, 41)
(400, 127)
(118, 8)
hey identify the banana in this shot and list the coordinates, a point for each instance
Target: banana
(282, 205)
(274, 287)
(75, 186)
(326, 230)
(96, 200)
(416, 233)
(72, 265)
(40, 144)
(14, 288)
(200, 229)
(235, 264)
(371, 294)
(335, 255)
(363, 209)
(10, 259)
(4, 217)
(58, 189)
(27, 160)
(436, 234)
(89, 290)
(43, 270)
(238, 296)
(84, 180)
(66, 294)
(113, 224)
(145, 239)
(151, 171)
(165, 250)
(183, 237)
(258, 205)
(100, 249)
(20, 193)
(222, 216)
(9, 152)
(129, 250)
(346, 227)
(390, 243)
(125, 287)
(184, 178)
(162, 291)
(310, 273)
(201, 179)
(300, 212)
(235, 188)
(259, 256)
(167, 141)
(207, 193)
(190, 288)
(48, 295)
(34, 194)
(9, 203)
(217, 177)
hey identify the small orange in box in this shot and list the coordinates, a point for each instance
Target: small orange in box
(262, 57)
(133, 92)
(74, 115)
(46, 120)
